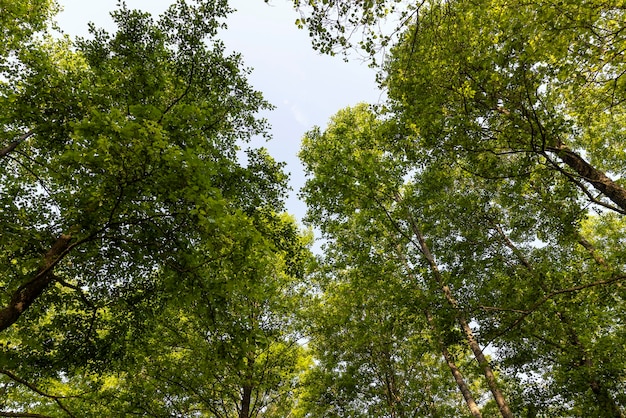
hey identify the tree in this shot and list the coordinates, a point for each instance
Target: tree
(521, 97)
(120, 187)
(519, 107)
(230, 349)
(541, 81)
(226, 347)
(375, 354)
(356, 188)
(468, 246)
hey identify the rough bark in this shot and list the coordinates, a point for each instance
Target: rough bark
(26, 294)
(589, 173)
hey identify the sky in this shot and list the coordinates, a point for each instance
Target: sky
(307, 88)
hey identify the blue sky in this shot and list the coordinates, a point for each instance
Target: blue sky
(307, 88)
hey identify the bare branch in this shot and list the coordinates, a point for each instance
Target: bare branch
(551, 295)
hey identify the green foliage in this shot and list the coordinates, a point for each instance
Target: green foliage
(20, 20)
(146, 268)
(517, 254)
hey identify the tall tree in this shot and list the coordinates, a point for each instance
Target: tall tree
(495, 78)
(518, 105)
(120, 183)
(225, 347)
(470, 245)
(128, 152)
(356, 189)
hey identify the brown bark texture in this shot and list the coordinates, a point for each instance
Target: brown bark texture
(589, 173)
(456, 374)
(26, 294)
(490, 377)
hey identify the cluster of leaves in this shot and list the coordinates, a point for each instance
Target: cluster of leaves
(473, 264)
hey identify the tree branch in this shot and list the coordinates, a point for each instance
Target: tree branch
(57, 399)
(26, 294)
(589, 173)
(551, 295)
(582, 187)
(9, 148)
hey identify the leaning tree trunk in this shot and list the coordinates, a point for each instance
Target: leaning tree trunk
(26, 294)
(456, 373)
(592, 175)
(454, 369)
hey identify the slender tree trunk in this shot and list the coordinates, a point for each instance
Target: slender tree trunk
(393, 399)
(456, 373)
(246, 399)
(248, 385)
(490, 377)
(605, 399)
(503, 406)
(26, 294)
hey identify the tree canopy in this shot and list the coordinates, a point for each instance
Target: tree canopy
(473, 224)
(488, 181)
(134, 235)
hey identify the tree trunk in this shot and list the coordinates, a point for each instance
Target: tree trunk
(26, 294)
(605, 399)
(456, 373)
(597, 178)
(246, 399)
(503, 406)
(248, 387)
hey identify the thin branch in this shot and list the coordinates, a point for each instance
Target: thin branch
(497, 309)
(182, 96)
(77, 289)
(55, 398)
(593, 251)
(31, 172)
(551, 295)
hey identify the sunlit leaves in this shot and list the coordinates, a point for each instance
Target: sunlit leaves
(127, 143)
